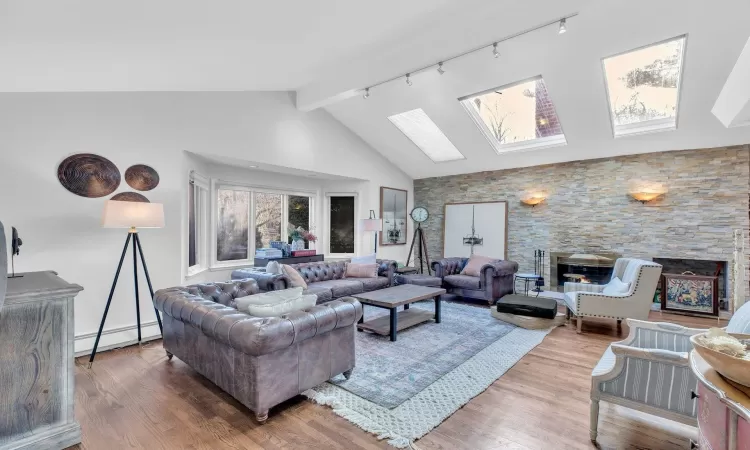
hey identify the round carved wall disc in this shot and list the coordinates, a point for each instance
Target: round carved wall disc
(88, 175)
(130, 197)
(141, 177)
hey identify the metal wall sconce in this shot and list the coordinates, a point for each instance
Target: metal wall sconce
(533, 199)
(645, 197)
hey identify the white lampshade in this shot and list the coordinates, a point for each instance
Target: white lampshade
(118, 214)
(371, 225)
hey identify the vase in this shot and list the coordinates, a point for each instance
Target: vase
(298, 244)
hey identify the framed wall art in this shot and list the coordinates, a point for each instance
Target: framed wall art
(479, 228)
(689, 293)
(393, 212)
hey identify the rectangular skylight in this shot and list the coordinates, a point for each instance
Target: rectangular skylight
(426, 135)
(643, 87)
(519, 116)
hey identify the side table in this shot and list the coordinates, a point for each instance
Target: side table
(526, 278)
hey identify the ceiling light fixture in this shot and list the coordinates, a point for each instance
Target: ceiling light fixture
(561, 22)
(366, 95)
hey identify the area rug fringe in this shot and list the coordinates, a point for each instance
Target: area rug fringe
(426, 410)
(358, 419)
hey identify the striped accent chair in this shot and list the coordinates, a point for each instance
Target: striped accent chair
(648, 372)
(589, 300)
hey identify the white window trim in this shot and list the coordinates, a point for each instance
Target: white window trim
(647, 126)
(217, 184)
(529, 144)
(327, 222)
(200, 185)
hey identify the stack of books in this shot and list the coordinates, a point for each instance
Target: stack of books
(268, 253)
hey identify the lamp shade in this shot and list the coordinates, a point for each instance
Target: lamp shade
(371, 224)
(119, 214)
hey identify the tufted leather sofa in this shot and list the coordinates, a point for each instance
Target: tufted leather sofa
(494, 281)
(324, 279)
(259, 361)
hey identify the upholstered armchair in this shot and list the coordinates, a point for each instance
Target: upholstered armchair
(494, 281)
(589, 300)
(648, 372)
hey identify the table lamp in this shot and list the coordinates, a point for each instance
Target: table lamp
(372, 224)
(130, 215)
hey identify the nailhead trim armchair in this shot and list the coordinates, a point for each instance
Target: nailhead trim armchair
(494, 281)
(588, 300)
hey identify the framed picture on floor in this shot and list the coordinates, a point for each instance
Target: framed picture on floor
(687, 293)
(476, 228)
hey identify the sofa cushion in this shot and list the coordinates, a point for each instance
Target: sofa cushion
(324, 294)
(361, 270)
(373, 284)
(268, 298)
(295, 278)
(342, 288)
(462, 281)
(474, 266)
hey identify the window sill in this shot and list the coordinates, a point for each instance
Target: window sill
(635, 129)
(534, 144)
(220, 268)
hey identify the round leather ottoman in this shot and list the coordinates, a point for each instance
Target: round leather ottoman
(419, 279)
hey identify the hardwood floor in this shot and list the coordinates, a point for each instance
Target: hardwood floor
(135, 398)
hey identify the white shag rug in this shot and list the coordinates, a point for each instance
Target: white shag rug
(427, 409)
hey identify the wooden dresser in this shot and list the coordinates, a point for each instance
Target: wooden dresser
(37, 372)
(723, 410)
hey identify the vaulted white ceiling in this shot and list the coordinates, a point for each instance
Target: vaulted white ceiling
(328, 50)
(571, 67)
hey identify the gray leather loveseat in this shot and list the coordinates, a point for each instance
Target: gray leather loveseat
(494, 281)
(259, 361)
(324, 278)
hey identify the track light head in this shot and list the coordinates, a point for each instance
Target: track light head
(366, 95)
(408, 79)
(563, 28)
(495, 53)
(440, 68)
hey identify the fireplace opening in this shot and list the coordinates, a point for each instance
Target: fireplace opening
(593, 268)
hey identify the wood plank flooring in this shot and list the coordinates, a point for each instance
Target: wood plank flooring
(135, 398)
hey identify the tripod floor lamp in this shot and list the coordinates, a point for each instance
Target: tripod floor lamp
(130, 215)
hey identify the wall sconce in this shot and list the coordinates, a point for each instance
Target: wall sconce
(645, 197)
(533, 199)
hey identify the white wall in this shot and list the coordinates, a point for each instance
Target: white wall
(62, 231)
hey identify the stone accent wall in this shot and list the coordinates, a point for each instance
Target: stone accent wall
(588, 209)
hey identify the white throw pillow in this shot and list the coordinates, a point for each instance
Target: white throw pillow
(273, 267)
(367, 259)
(615, 287)
(282, 302)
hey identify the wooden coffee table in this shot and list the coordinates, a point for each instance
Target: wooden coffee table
(393, 297)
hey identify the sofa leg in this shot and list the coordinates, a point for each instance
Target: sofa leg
(594, 426)
(261, 417)
(169, 356)
(579, 324)
(348, 373)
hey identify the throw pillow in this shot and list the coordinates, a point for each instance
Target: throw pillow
(273, 267)
(367, 259)
(294, 277)
(475, 265)
(361, 270)
(615, 287)
(277, 306)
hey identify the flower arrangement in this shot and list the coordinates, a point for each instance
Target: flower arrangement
(299, 233)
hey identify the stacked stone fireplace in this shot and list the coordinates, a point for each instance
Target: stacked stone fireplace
(595, 268)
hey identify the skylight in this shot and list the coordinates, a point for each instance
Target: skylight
(643, 86)
(423, 132)
(519, 116)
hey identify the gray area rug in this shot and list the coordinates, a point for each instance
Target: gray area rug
(389, 373)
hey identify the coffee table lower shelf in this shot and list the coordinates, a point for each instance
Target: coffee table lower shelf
(406, 318)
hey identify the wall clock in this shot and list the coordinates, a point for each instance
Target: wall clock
(419, 214)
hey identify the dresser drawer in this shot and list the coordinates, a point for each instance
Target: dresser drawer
(713, 419)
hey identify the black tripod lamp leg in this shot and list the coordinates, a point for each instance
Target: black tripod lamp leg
(109, 301)
(148, 280)
(135, 282)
